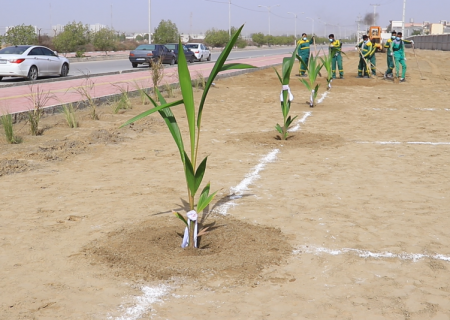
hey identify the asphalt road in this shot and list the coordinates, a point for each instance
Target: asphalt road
(94, 67)
(100, 67)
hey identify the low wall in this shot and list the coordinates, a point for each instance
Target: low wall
(433, 42)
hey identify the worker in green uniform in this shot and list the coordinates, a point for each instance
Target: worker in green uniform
(398, 49)
(389, 55)
(372, 60)
(365, 47)
(335, 50)
(303, 52)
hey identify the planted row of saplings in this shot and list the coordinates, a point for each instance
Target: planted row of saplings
(315, 64)
(194, 168)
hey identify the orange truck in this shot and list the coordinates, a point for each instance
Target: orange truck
(375, 37)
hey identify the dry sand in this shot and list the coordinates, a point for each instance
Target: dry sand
(349, 222)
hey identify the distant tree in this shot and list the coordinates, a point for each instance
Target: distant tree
(216, 38)
(73, 38)
(416, 32)
(140, 38)
(241, 43)
(21, 34)
(146, 37)
(104, 40)
(166, 32)
(121, 37)
(259, 39)
(269, 40)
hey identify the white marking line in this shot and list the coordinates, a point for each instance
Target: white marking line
(411, 142)
(301, 121)
(250, 178)
(143, 303)
(369, 254)
(324, 95)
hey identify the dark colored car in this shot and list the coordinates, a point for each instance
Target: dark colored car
(149, 53)
(190, 56)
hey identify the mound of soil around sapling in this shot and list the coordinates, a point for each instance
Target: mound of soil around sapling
(152, 250)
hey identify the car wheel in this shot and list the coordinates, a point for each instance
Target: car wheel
(201, 59)
(134, 65)
(172, 62)
(32, 73)
(1, 78)
(191, 59)
(209, 57)
(64, 70)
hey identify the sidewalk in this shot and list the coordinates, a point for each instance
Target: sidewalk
(17, 99)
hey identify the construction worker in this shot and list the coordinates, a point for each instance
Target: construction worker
(389, 55)
(335, 50)
(303, 52)
(365, 49)
(398, 50)
(372, 60)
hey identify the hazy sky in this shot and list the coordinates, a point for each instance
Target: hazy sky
(132, 15)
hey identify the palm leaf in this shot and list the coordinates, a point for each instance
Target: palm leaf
(188, 94)
(153, 110)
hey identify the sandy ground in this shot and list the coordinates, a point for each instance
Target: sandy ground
(350, 220)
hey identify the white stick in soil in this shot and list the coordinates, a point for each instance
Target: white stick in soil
(250, 178)
(369, 254)
(143, 303)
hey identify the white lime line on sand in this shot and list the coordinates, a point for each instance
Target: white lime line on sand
(369, 254)
(408, 142)
(301, 121)
(253, 175)
(250, 178)
(143, 303)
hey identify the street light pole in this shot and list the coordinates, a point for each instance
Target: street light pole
(295, 15)
(312, 29)
(229, 18)
(149, 22)
(269, 8)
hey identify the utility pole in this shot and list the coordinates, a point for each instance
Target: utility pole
(295, 28)
(375, 13)
(51, 16)
(39, 37)
(403, 21)
(190, 27)
(229, 18)
(357, 30)
(149, 22)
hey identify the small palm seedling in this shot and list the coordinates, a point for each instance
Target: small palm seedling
(38, 99)
(326, 62)
(123, 102)
(87, 92)
(69, 115)
(193, 171)
(143, 92)
(314, 68)
(7, 123)
(169, 90)
(286, 96)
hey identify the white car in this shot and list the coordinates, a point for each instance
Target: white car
(31, 62)
(200, 51)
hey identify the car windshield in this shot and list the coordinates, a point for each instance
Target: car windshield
(150, 47)
(14, 50)
(171, 46)
(192, 46)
